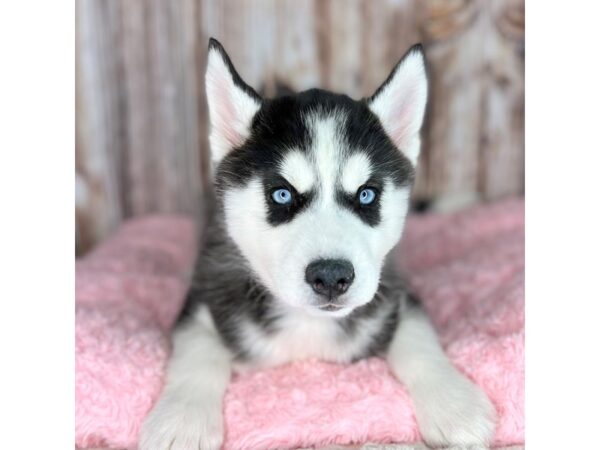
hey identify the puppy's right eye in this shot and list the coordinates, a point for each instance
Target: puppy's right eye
(282, 196)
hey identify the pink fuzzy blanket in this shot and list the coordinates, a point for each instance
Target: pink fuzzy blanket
(468, 268)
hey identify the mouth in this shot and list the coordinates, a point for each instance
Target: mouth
(331, 307)
(330, 310)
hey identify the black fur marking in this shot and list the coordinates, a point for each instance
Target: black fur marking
(371, 213)
(381, 341)
(276, 213)
(364, 132)
(279, 127)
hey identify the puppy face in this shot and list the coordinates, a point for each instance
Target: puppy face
(315, 186)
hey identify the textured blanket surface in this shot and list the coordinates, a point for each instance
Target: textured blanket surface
(468, 268)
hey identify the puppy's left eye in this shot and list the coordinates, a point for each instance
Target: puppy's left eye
(366, 196)
(282, 196)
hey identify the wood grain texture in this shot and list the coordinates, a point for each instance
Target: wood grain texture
(100, 122)
(141, 112)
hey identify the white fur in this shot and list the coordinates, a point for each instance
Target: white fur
(327, 153)
(300, 335)
(356, 172)
(188, 414)
(401, 104)
(230, 108)
(298, 171)
(450, 409)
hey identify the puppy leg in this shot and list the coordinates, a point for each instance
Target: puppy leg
(450, 409)
(188, 414)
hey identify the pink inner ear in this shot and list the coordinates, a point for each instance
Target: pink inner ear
(401, 117)
(228, 120)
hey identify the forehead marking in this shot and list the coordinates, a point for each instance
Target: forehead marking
(327, 152)
(297, 170)
(356, 172)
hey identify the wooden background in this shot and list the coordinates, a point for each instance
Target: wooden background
(141, 127)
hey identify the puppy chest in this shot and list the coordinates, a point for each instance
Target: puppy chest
(294, 339)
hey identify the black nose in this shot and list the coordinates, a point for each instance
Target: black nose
(330, 277)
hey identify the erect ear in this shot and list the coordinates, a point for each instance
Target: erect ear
(232, 104)
(400, 102)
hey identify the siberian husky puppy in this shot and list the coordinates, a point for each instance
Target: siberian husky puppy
(312, 191)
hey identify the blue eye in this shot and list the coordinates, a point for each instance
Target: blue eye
(366, 196)
(282, 196)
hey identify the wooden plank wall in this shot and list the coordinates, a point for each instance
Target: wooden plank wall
(141, 127)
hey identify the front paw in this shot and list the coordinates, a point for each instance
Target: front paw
(455, 413)
(175, 424)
